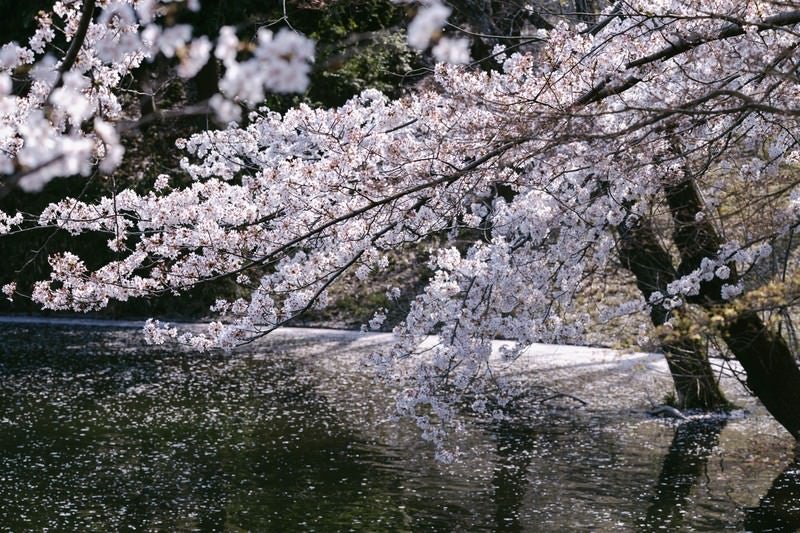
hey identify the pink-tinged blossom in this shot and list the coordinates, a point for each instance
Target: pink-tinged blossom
(225, 110)
(156, 332)
(173, 38)
(122, 35)
(161, 183)
(281, 63)
(45, 70)
(454, 51)
(112, 148)
(227, 45)
(146, 10)
(194, 57)
(428, 22)
(287, 58)
(13, 55)
(7, 223)
(8, 290)
(43, 35)
(731, 291)
(70, 98)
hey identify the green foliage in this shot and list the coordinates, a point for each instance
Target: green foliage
(380, 65)
(360, 45)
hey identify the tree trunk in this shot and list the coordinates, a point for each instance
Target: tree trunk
(642, 253)
(585, 10)
(772, 372)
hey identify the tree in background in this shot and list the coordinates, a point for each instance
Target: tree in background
(660, 138)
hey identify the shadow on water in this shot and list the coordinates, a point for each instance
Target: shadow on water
(779, 508)
(684, 464)
(515, 443)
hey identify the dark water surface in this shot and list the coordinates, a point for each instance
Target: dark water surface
(101, 433)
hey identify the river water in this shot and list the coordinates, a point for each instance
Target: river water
(99, 432)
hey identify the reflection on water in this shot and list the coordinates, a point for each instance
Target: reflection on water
(510, 479)
(98, 432)
(683, 467)
(779, 509)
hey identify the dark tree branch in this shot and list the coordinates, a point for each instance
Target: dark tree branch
(605, 89)
(77, 42)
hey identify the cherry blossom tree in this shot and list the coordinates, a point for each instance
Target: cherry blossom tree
(660, 140)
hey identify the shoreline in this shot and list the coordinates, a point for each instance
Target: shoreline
(606, 378)
(138, 324)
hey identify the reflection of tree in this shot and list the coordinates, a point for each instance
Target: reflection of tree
(510, 479)
(684, 463)
(779, 509)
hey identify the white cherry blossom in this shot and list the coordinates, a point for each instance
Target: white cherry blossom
(547, 163)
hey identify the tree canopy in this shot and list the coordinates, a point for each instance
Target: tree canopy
(658, 138)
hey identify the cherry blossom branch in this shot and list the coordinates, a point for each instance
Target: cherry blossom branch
(613, 14)
(78, 38)
(604, 90)
(198, 109)
(683, 45)
(447, 179)
(87, 10)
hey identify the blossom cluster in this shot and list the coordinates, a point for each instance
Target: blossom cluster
(427, 26)
(63, 123)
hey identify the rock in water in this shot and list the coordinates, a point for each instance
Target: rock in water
(666, 411)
